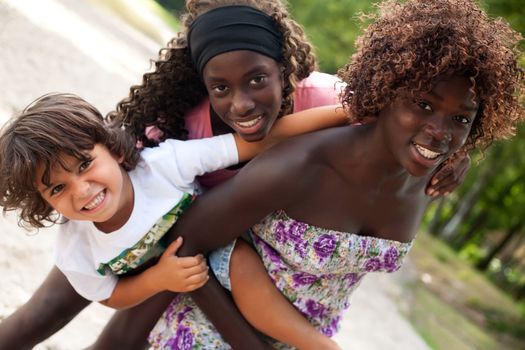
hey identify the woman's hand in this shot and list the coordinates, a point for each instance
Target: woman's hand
(449, 176)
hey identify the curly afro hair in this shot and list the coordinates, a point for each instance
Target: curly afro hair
(167, 93)
(413, 44)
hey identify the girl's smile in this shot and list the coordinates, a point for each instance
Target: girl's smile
(245, 90)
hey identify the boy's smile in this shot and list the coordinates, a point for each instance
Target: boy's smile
(96, 189)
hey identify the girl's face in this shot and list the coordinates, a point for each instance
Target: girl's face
(245, 90)
(97, 190)
(424, 130)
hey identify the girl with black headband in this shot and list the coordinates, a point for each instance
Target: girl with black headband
(176, 101)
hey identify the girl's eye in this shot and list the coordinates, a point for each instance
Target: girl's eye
(56, 190)
(258, 80)
(84, 165)
(220, 89)
(462, 119)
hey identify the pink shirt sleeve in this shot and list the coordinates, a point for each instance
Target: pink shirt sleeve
(319, 89)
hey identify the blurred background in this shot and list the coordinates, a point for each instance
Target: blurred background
(464, 284)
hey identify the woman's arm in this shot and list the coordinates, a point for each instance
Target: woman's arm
(222, 214)
(51, 307)
(292, 125)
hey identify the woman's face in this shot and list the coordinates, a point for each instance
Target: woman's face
(245, 90)
(424, 130)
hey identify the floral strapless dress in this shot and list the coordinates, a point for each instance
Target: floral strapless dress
(315, 268)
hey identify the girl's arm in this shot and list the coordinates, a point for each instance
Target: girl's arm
(292, 125)
(171, 273)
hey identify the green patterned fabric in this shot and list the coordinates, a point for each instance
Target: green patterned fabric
(151, 245)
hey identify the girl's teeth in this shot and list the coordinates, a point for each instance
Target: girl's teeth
(249, 123)
(96, 201)
(426, 152)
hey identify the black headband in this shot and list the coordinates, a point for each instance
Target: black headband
(233, 28)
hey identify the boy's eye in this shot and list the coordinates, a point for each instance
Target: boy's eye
(56, 190)
(84, 165)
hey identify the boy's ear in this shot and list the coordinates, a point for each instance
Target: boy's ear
(120, 159)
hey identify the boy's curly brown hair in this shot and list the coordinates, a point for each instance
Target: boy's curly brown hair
(51, 126)
(167, 93)
(413, 44)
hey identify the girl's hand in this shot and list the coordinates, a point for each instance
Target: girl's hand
(449, 176)
(178, 274)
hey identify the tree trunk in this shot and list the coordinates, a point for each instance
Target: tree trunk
(484, 263)
(450, 229)
(435, 224)
(461, 241)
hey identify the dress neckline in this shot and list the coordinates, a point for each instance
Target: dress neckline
(367, 237)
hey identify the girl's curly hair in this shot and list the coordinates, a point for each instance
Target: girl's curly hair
(51, 126)
(167, 93)
(413, 44)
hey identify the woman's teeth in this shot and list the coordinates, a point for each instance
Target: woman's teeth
(426, 153)
(96, 201)
(249, 123)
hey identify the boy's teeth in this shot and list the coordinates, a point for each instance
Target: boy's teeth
(96, 201)
(426, 152)
(249, 123)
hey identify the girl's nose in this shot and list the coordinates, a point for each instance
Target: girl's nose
(242, 103)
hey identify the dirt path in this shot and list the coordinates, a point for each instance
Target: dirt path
(53, 45)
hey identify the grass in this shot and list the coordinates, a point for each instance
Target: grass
(455, 307)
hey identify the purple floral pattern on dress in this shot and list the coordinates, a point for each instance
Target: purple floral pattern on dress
(304, 279)
(390, 257)
(183, 339)
(315, 268)
(373, 264)
(325, 245)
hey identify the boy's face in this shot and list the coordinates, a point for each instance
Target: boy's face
(97, 190)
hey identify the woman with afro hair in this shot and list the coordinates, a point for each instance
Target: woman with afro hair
(428, 79)
(194, 93)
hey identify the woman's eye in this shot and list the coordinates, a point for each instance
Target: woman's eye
(84, 165)
(57, 189)
(424, 105)
(462, 119)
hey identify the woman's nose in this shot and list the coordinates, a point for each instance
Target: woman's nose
(438, 128)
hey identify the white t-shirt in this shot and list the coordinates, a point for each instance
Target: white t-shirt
(162, 177)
